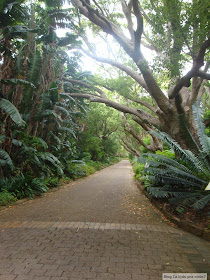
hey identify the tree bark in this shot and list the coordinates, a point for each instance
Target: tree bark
(173, 114)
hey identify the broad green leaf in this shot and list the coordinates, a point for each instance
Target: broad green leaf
(12, 111)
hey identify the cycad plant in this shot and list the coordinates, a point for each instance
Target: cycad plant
(182, 181)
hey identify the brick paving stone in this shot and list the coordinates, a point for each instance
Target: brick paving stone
(60, 278)
(105, 276)
(42, 278)
(122, 277)
(25, 277)
(91, 241)
(53, 272)
(8, 277)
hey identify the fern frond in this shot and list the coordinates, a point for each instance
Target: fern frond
(49, 157)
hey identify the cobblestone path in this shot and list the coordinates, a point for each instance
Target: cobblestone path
(89, 230)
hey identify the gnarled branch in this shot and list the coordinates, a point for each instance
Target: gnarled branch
(194, 72)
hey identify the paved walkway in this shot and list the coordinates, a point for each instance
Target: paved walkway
(96, 228)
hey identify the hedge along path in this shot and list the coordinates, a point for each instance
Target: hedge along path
(89, 230)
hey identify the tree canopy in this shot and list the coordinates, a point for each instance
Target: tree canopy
(176, 32)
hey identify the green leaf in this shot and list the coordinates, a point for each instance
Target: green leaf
(201, 203)
(18, 81)
(5, 159)
(204, 139)
(2, 138)
(12, 111)
(35, 60)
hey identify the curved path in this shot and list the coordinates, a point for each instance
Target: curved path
(100, 227)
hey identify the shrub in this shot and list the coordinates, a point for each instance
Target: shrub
(138, 170)
(181, 180)
(168, 153)
(6, 198)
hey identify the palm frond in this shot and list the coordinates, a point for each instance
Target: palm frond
(164, 160)
(201, 203)
(177, 200)
(184, 154)
(199, 164)
(176, 173)
(174, 180)
(164, 193)
(203, 138)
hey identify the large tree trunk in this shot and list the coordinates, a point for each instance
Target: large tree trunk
(173, 113)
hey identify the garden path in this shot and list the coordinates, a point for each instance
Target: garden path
(99, 227)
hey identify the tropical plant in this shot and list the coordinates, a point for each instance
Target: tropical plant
(38, 121)
(181, 180)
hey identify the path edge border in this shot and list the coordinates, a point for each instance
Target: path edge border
(197, 231)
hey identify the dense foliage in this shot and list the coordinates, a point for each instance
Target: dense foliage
(158, 54)
(180, 180)
(40, 125)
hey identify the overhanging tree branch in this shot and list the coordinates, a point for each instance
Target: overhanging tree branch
(139, 29)
(194, 72)
(81, 83)
(112, 29)
(133, 74)
(143, 103)
(145, 117)
(130, 149)
(127, 12)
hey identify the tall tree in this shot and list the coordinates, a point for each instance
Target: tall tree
(177, 31)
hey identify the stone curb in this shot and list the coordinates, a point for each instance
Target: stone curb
(201, 232)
